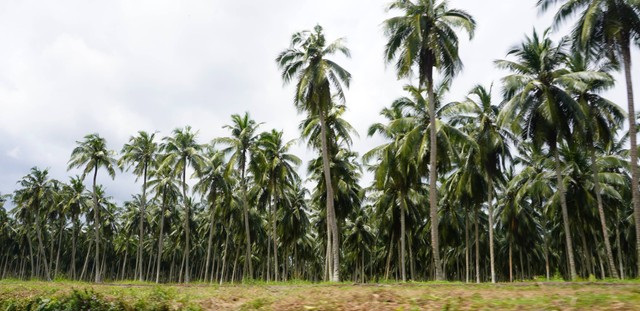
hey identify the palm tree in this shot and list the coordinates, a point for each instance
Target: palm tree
(76, 201)
(279, 167)
(493, 145)
(182, 151)
(609, 27)
(213, 183)
(241, 145)
(166, 187)
(92, 153)
(424, 37)
(604, 117)
(540, 106)
(307, 60)
(36, 190)
(140, 152)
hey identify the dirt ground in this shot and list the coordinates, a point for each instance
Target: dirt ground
(412, 296)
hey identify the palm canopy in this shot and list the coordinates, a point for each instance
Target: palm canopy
(139, 152)
(306, 60)
(424, 37)
(181, 151)
(537, 92)
(92, 153)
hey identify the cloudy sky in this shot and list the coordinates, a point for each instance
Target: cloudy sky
(70, 68)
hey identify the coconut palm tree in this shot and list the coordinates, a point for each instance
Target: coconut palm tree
(604, 117)
(278, 168)
(182, 151)
(318, 80)
(76, 201)
(140, 152)
(424, 37)
(241, 145)
(540, 106)
(34, 194)
(92, 154)
(166, 187)
(212, 183)
(609, 28)
(479, 116)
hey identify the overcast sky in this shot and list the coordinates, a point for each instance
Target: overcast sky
(70, 68)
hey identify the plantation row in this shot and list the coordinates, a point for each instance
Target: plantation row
(541, 181)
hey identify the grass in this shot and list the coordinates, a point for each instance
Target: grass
(300, 295)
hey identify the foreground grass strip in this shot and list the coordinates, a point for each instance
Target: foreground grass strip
(34, 295)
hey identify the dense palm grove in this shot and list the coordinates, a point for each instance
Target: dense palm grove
(538, 181)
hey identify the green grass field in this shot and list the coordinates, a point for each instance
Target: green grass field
(34, 295)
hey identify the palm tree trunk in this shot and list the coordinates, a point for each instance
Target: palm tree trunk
(142, 217)
(565, 213)
(635, 192)
(211, 226)
(386, 274)
(275, 242)
(41, 250)
(603, 221)
(433, 192)
(86, 261)
(477, 246)
(546, 245)
(402, 239)
(491, 252)
(160, 236)
(96, 226)
(510, 262)
(466, 244)
(186, 223)
(331, 215)
(55, 273)
(73, 249)
(245, 211)
(226, 250)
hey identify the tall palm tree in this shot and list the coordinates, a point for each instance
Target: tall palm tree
(213, 183)
(166, 187)
(36, 188)
(182, 151)
(241, 145)
(424, 37)
(76, 201)
(604, 117)
(540, 106)
(140, 152)
(279, 167)
(306, 60)
(92, 153)
(609, 27)
(480, 117)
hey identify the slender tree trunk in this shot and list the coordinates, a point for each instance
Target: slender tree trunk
(275, 242)
(546, 245)
(386, 274)
(402, 239)
(565, 213)
(86, 261)
(245, 210)
(33, 269)
(331, 214)
(186, 223)
(491, 247)
(587, 255)
(143, 206)
(510, 262)
(603, 222)
(211, 227)
(55, 273)
(226, 250)
(96, 226)
(161, 234)
(73, 248)
(619, 249)
(41, 250)
(433, 192)
(633, 150)
(477, 246)
(466, 244)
